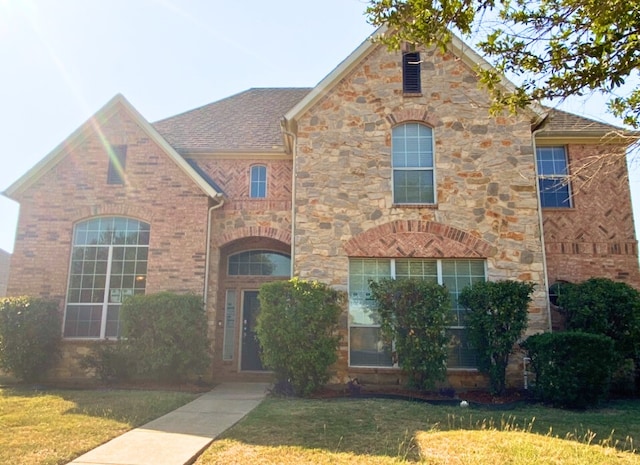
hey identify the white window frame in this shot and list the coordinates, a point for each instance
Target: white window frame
(562, 179)
(431, 169)
(258, 182)
(107, 300)
(392, 262)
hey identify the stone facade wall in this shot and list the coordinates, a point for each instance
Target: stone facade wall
(156, 191)
(596, 237)
(484, 170)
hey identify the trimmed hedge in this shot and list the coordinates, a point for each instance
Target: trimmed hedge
(296, 328)
(166, 333)
(498, 314)
(603, 306)
(414, 314)
(30, 335)
(573, 369)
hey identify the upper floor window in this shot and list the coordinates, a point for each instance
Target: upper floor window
(108, 264)
(411, 73)
(117, 161)
(553, 177)
(259, 263)
(258, 182)
(412, 163)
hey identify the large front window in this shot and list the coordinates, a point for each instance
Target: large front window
(413, 166)
(108, 264)
(366, 347)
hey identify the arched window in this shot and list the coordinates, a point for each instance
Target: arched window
(413, 164)
(259, 263)
(258, 181)
(108, 264)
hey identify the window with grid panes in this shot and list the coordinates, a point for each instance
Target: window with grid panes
(553, 177)
(366, 347)
(412, 161)
(108, 264)
(258, 182)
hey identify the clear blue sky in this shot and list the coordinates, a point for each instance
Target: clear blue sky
(62, 60)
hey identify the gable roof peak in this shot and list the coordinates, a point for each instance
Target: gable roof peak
(107, 110)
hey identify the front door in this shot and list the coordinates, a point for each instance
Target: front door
(250, 359)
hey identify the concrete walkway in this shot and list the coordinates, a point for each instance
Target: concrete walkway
(178, 437)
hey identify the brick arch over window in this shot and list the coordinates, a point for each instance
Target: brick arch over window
(128, 211)
(253, 231)
(413, 114)
(414, 238)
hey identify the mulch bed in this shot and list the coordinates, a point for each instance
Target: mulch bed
(475, 398)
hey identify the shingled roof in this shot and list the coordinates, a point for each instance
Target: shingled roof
(250, 122)
(245, 122)
(562, 123)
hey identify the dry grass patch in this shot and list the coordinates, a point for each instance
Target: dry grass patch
(376, 431)
(54, 427)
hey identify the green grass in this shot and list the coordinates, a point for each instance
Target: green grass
(377, 431)
(54, 427)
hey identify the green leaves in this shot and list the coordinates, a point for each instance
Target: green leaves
(29, 336)
(497, 318)
(297, 329)
(603, 306)
(414, 315)
(573, 369)
(552, 48)
(167, 335)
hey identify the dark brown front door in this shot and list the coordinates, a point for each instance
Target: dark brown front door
(250, 360)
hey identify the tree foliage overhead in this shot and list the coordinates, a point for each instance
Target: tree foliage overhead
(554, 48)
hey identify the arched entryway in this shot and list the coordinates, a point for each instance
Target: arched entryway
(245, 265)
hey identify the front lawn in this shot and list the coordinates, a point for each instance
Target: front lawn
(377, 431)
(54, 427)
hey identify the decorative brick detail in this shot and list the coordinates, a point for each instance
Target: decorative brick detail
(254, 231)
(596, 237)
(414, 238)
(413, 114)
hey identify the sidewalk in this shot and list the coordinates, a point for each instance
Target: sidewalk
(179, 436)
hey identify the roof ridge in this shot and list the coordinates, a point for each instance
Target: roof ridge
(237, 94)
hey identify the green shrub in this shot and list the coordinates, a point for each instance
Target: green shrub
(167, 332)
(296, 329)
(110, 361)
(603, 306)
(30, 335)
(497, 317)
(414, 315)
(573, 369)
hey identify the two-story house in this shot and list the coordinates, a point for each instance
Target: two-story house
(391, 166)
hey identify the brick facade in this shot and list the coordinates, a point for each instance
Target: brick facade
(155, 191)
(596, 237)
(329, 199)
(5, 260)
(243, 224)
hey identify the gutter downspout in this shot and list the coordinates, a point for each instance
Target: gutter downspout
(208, 254)
(541, 226)
(294, 151)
